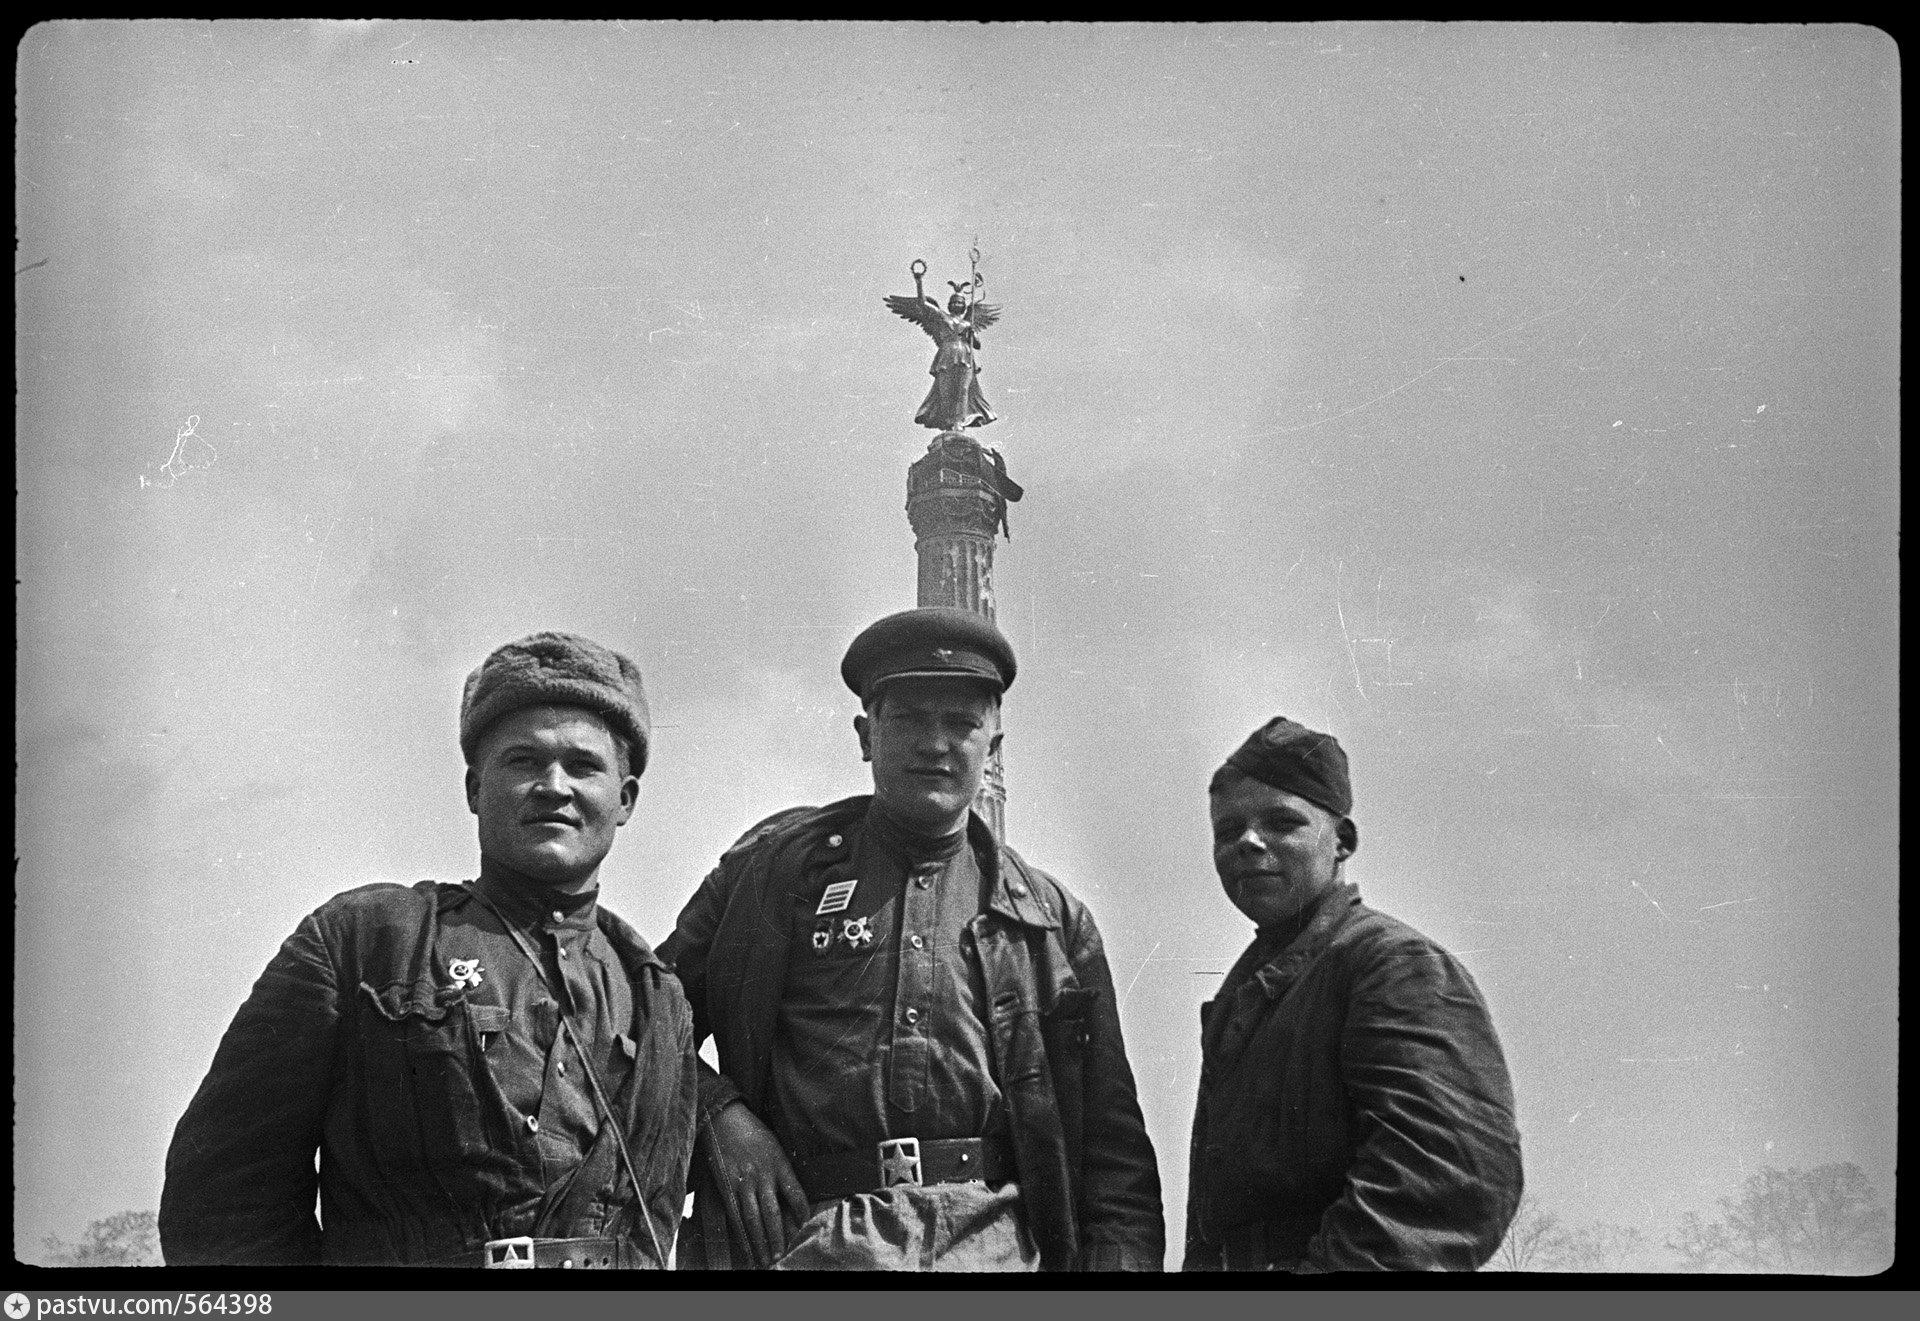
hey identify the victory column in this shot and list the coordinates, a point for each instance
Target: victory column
(958, 492)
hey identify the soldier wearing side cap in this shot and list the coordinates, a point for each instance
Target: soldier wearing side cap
(494, 1074)
(1355, 1111)
(919, 1047)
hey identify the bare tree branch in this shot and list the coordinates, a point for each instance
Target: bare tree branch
(130, 1238)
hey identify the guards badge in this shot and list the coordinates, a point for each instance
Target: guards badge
(465, 972)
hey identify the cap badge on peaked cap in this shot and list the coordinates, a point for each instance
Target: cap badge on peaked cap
(932, 642)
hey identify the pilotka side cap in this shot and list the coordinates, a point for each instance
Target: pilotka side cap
(1294, 759)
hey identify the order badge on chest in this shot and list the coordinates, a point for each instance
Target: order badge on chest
(839, 927)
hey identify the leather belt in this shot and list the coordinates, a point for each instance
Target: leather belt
(1260, 1245)
(904, 1161)
(527, 1253)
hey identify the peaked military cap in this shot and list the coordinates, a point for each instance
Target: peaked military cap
(557, 669)
(1297, 760)
(933, 642)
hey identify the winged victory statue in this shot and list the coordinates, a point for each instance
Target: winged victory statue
(955, 401)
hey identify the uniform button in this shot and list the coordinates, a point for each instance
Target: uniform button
(923, 881)
(1017, 890)
(563, 951)
(562, 1064)
(557, 916)
(915, 941)
(913, 1015)
(533, 1125)
(833, 841)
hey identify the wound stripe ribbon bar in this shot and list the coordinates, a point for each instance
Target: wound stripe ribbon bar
(836, 897)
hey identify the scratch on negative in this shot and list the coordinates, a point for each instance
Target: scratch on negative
(1649, 898)
(1143, 967)
(1347, 637)
(320, 559)
(1451, 358)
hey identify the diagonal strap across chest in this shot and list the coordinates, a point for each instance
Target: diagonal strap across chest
(586, 1064)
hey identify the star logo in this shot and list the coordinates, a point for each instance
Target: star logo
(944, 655)
(18, 1306)
(899, 1162)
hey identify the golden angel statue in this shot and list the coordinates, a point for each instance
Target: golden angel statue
(955, 401)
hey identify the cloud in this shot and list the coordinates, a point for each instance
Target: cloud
(1514, 678)
(1200, 330)
(1488, 692)
(350, 360)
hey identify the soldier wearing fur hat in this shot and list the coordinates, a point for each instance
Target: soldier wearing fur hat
(493, 1074)
(1355, 1112)
(920, 1057)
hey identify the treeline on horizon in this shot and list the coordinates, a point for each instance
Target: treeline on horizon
(1823, 1221)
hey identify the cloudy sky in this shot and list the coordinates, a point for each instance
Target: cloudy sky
(1516, 402)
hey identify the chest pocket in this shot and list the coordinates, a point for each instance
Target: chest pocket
(1069, 1017)
(489, 1021)
(421, 1058)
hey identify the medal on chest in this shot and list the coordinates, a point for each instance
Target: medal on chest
(827, 930)
(852, 933)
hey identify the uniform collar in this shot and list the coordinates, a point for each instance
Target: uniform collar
(1010, 892)
(907, 848)
(532, 906)
(1279, 971)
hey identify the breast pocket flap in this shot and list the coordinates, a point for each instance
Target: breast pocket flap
(488, 1018)
(403, 1001)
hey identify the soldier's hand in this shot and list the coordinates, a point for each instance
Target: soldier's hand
(756, 1181)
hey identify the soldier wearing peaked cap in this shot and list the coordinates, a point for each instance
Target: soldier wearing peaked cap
(920, 1055)
(1355, 1111)
(494, 1074)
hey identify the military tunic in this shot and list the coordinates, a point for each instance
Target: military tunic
(1355, 1111)
(1086, 1184)
(402, 1034)
(882, 1029)
(882, 1034)
(518, 1010)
